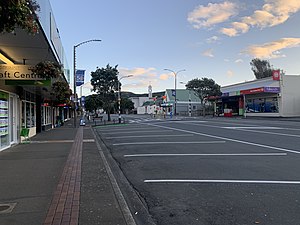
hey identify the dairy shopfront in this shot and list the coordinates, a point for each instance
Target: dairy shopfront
(262, 97)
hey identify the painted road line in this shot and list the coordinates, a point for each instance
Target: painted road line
(268, 132)
(225, 181)
(148, 136)
(124, 129)
(255, 128)
(132, 132)
(228, 139)
(233, 154)
(168, 142)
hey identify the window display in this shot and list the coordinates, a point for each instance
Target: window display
(4, 137)
(28, 114)
(262, 105)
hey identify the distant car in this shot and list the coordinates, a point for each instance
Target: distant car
(82, 122)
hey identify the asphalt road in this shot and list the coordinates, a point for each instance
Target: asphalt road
(211, 171)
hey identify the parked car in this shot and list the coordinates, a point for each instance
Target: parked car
(82, 122)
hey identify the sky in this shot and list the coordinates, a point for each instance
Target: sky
(216, 39)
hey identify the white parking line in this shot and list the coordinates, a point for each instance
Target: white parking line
(255, 128)
(227, 139)
(217, 154)
(172, 142)
(148, 136)
(268, 132)
(224, 181)
(131, 132)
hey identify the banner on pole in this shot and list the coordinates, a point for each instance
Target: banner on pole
(80, 77)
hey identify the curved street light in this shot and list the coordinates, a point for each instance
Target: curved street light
(74, 73)
(175, 75)
(119, 96)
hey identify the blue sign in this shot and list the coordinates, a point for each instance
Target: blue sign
(173, 93)
(80, 77)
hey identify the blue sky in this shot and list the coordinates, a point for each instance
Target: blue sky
(215, 39)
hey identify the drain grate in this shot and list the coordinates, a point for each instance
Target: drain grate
(7, 207)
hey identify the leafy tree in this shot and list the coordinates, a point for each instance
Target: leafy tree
(18, 13)
(93, 102)
(105, 83)
(126, 104)
(61, 92)
(203, 88)
(261, 68)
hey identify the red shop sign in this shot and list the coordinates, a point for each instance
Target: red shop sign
(252, 91)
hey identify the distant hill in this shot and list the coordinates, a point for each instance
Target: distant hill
(126, 94)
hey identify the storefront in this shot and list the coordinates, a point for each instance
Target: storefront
(263, 97)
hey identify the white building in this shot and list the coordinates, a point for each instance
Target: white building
(262, 97)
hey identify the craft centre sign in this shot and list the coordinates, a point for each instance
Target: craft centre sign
(18, 72)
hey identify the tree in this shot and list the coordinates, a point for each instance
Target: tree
(203, 88)
(18, 13)
(61, 92)
(93, 102)
(261, 68)
(105, 83)
(126, 105)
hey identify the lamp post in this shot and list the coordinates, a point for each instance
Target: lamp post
(190, 101)
(175, 75)
(74, 74)
(119, 96)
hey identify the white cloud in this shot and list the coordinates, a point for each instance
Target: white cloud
(230, 73)
(139, 71)
(272, 49)
(165, 76)
(208, 53)
(239, 61)
(212, 14)
(212, 39)
(272, 13)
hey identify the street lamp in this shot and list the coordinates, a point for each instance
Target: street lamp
(74, 74)
(190, 101)
(119, 96)
(175, 75)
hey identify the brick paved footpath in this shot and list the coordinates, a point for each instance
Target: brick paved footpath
(64, 208)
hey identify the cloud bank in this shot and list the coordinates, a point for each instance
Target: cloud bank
(272, 49)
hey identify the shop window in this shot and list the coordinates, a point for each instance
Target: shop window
(262, 105)
(28, 114)
(4, 137)
(46, 115)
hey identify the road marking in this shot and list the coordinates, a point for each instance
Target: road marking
(233, 154)
(224, 181)
(148, 136)
(131, 132)
(168, 142)
(255, 128)
(228, 139)
(273, 133)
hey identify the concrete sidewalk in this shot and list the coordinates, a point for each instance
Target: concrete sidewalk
(58, 178)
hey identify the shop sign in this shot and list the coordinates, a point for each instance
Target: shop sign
(252, 91)
(272, 89)
(276, 74)
(18, 72)
(234, 93)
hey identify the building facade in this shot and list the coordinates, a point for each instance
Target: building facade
(262, 97)
(25, 100)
